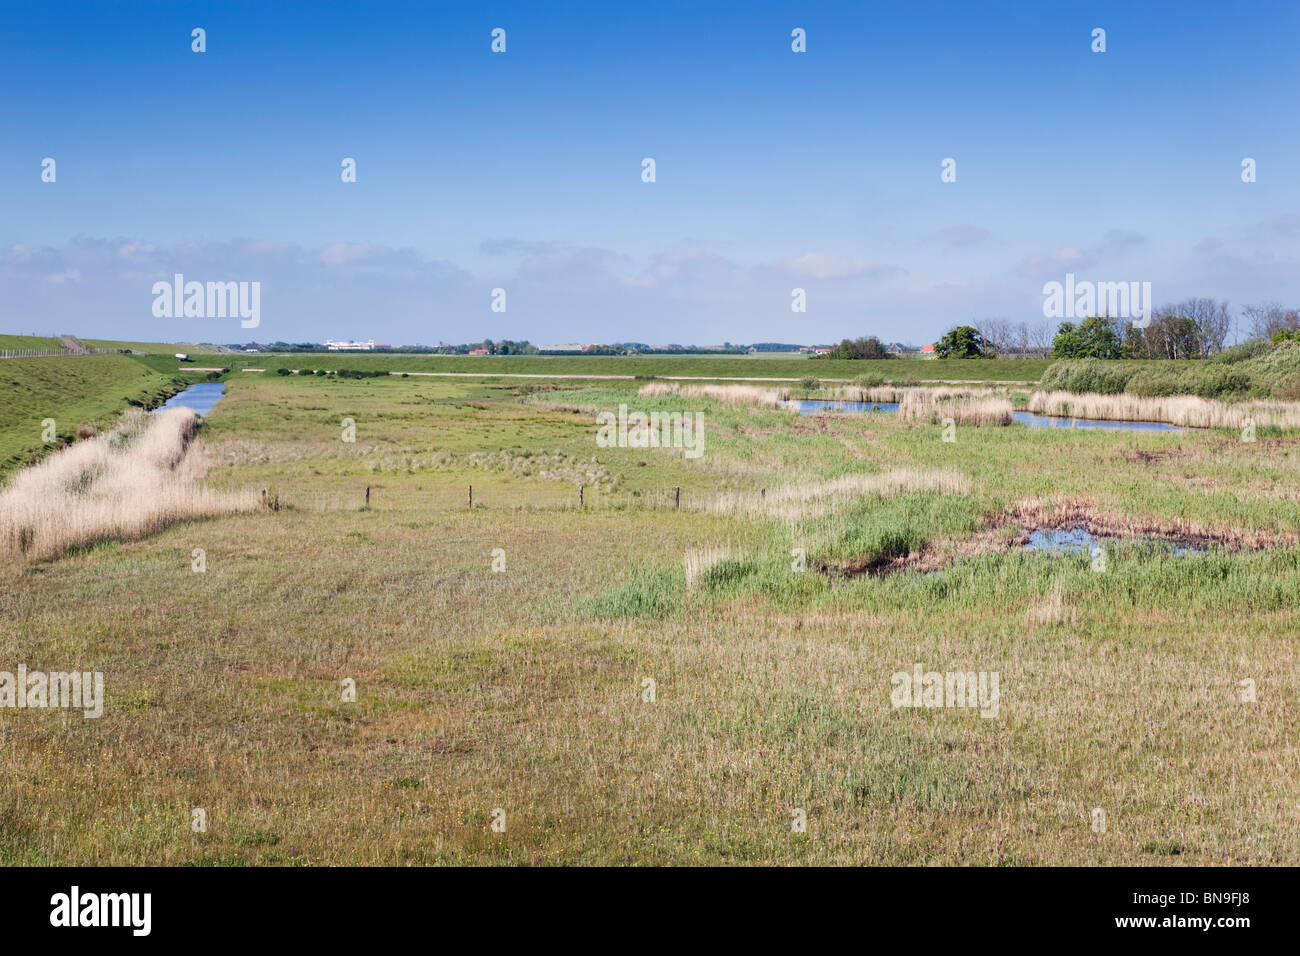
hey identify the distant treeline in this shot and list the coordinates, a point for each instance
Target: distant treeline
(510, 347)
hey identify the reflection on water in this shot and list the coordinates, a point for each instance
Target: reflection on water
(813, 406)
(1053, 542)
(816, 406)
(200, 397)
(1052, 421)
(1068, 541)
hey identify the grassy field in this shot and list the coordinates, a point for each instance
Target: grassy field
(524, 690)
(75, 390)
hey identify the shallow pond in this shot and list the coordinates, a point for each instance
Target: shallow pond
(815, 406)
(818, 406)
(1056, 541)
(1052, 421)
(201, 397)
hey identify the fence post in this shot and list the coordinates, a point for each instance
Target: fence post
(580, 487)
(471, 496)
(367, 496)
(677, 503)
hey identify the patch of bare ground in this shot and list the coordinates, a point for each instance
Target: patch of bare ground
(821, 619)
(1143, 456)
(934, 556)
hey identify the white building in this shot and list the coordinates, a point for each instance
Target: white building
(349, 346)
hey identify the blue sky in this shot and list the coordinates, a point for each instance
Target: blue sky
(522, 170)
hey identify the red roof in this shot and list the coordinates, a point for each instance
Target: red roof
(927, 348)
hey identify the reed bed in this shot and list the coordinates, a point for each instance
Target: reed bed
(1186, 410)
(128, 483)
(799, 501)
(897, 393)
(1051, 611)
(736, 394)
(933, 405)
(699, 561)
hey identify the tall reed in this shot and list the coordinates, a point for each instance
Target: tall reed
(128, 483)
(796, 501)
(1186, 410)
(933, 405)
(737, 394)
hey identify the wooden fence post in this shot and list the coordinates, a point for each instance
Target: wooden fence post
(471, 496)
(678, 502)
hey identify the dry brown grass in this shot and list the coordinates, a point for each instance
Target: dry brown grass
(897, 393)
(1051, 611)
(699, 560)
(935, 405)
(797, 501)
(736, 394)
(1186, 410)
(129, 483)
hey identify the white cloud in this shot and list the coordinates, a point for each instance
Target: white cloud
(825, 265)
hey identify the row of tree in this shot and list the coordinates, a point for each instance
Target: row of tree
(1191, 329)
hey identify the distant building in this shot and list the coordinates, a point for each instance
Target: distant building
(927, 351)
(478, 351)
(571, 347)
(347, 345)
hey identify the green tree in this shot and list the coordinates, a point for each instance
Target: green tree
(868, 347)
(964, 341)
(1094, 337)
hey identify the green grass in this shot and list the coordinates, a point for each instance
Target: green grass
(524, 689)
(73, 390)
(1253, 370)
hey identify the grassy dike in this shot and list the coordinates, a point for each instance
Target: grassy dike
(650, 366)
(524, 689)
(74, 391)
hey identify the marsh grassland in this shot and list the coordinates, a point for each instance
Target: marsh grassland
(524, 689)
